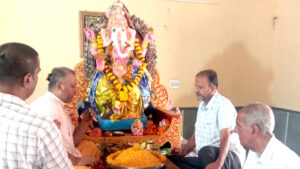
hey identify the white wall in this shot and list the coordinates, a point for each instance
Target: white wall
(255, 62)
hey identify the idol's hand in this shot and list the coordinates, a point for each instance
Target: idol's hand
(89, 34)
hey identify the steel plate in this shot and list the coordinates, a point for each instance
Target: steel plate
(154, 167)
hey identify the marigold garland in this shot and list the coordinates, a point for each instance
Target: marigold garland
(100, 43)
(123, 88)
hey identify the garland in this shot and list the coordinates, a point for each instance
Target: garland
(100, 42)
(127, 86)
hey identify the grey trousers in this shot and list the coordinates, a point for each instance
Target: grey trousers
(206, 155)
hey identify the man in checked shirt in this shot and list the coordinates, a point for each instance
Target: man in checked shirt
(217, 148)
(28, 140)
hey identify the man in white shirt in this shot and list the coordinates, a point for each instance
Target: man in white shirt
(254, 125)
(216, 147)
(28, 139)
(61, 90)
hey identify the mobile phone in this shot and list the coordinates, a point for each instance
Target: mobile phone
(83, 106)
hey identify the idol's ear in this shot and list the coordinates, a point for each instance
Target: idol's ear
(106, 37)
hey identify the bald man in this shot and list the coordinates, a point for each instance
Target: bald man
(254, 125)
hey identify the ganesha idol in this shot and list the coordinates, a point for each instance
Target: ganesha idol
(120, 85)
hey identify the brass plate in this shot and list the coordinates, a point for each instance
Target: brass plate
(154, 167)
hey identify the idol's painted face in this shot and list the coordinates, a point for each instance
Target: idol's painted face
(119, 34)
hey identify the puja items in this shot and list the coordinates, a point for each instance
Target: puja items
(136, 157)
(152, 129)
(101, 165)
(108, 134)
(113, 147)
(150, 145)
(137, 128)
(94, 132)
(163, 126)
(118, 133)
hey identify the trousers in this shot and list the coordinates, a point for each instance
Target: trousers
(206, 155)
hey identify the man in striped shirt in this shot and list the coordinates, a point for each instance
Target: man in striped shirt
(28, 140)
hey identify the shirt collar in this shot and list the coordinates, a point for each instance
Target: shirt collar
(267, 154)
(211, 102)
(13, 98)
(55, 98)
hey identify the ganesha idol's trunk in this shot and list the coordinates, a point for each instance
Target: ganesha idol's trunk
(121, 51)
(119, 64)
